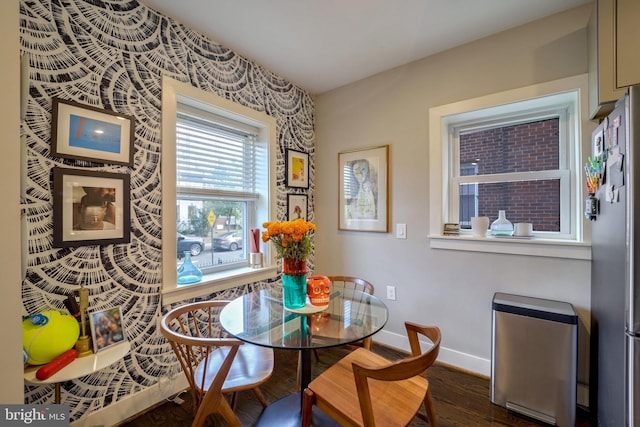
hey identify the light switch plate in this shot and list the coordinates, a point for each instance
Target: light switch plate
(401, 231)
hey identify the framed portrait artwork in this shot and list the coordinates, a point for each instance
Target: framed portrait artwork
(296, 207)
(106, 328)
(85, 132)
(90, 207)
(364, 186)
(297, 166)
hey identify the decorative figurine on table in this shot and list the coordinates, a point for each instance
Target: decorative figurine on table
(84, 341)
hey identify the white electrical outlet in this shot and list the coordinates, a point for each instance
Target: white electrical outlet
(391, 293)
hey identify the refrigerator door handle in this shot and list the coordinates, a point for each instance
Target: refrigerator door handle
(633, 381)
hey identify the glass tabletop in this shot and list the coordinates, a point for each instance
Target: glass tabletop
(260, 318)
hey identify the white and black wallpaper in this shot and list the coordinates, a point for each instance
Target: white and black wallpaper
(112, 55)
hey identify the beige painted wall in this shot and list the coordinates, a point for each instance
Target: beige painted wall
(451, 289)
(10, 304)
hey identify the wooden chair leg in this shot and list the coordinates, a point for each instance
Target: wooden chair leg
(228, 415)
(367, 343)
(233, 400)
(431, 413)
(307, 407)
(260, 396)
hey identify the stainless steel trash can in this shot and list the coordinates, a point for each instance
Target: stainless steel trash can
(534, 358)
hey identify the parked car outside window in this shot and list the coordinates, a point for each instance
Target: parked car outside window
(231, 241)
(195, 245)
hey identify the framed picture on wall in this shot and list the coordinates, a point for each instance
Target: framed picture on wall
(90, 207)
(297, 166)
(296, 207)
(364, 185)
(86, 132)
(106, 328)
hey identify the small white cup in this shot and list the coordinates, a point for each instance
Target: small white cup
(523, 229)
(255, 259)
(479, 225)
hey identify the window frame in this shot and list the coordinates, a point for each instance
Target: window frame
(442, 119)
(173, 92)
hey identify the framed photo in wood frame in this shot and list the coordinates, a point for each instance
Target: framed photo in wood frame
(86, 132)
(363, 189)
(90, 207)
(106, 328)
(296, 207)
(297, 166)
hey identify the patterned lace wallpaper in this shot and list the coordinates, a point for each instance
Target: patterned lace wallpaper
(112, 54)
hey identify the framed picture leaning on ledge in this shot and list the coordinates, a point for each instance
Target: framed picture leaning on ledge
(106, 328)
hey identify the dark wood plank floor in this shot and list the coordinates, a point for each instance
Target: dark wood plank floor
(460, 399)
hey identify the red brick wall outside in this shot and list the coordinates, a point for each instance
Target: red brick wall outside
(518, 148)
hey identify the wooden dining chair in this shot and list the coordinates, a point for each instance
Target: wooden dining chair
(358, 284)
(214, 364)
(339, 283)
(365, 389)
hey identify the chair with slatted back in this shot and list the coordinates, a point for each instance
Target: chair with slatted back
(365, 389)
(215, 365)
(339, 283)
(355, 283)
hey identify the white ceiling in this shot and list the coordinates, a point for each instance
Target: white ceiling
(320, 45)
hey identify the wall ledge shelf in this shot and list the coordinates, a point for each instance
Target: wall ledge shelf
(568, 249)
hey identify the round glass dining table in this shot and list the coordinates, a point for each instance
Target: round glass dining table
(260, 318)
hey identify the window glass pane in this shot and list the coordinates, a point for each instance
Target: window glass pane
(537, 202)
(212, 248)
(524, 147)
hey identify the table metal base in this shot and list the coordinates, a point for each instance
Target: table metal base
(286, 412)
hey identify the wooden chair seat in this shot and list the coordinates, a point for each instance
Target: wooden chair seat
(252, 365)
(365, 389)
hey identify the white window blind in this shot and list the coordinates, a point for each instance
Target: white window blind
(213, 156)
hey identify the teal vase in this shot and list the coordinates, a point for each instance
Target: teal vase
(188, 272)
(294, 283)
(294, 290)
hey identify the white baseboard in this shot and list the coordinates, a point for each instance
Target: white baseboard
(454, 358)
(464, 361)
(132, 405)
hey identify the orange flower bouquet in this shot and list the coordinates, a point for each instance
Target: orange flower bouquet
(292, 239)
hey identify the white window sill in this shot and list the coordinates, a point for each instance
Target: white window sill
(531, 247)
(217, 282)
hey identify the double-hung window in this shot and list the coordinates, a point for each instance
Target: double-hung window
(217, 184)
(519, 151)
(517, 164)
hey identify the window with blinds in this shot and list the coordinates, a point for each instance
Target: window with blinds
(216, 187)
(214, 157)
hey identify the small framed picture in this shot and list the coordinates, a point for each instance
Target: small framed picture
(296, 207)
(85, 132)
(363, 193)
(297, 166)
(106, 328)
(90, 208)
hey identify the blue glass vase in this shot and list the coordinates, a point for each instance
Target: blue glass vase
(188, 272)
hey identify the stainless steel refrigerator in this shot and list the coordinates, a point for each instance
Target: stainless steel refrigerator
(615, 274)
